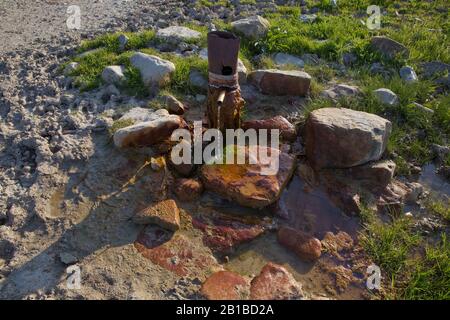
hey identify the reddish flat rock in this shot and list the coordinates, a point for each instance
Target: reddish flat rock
(251, 185)
(275, 283)
(225, 285)
(223, 234)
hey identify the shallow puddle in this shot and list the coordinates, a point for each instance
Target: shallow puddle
(313, 212)
(434, 182)
(56, 202)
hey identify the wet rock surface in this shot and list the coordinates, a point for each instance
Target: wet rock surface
(305, 247)
(275, 283)
(225, 285)
(68, 196)
(252, 185)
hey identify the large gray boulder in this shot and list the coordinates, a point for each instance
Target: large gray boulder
(344, 138)
(154, 70)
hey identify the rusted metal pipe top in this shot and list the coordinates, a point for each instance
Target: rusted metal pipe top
(223, 52)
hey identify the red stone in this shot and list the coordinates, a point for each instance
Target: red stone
(223, 234)
(188, 189)
(174, 252)
(306, 247)
(275, 283)
(287, 129)
(225, 285)
(250, 185)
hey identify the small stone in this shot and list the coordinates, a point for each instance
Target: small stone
(283, 59)
(254, 27)
(388, 47)
(349, 59)
(275, 283)
(157, 164)
(123, 41)
(113, 74)
(164, 214)
(188, 189)
(386, 96)
(425, 110)
(310, 58)
(376, 175)
(173, 105)
(174, 34)
(225, 285)
(339, 91)
(414, 192)
(154, 70)
(308, 18)
(287, 129)
(67, 258)
(408, 74)
(139, 114)
(305, 247)
(198, 80)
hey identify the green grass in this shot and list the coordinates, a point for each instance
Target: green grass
(439, 207)
(430, 278)
(412, 268)
(106, 52)
(389, 245)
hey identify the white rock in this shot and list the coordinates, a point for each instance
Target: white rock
(139, 114)
(408, 74)
(176, 34)
(147, 133)
(254, 27)
(308, 18)
(422, 108)
(386, 96)
(154, 70)
(339, 91)
(283, 59)
(113, 74)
